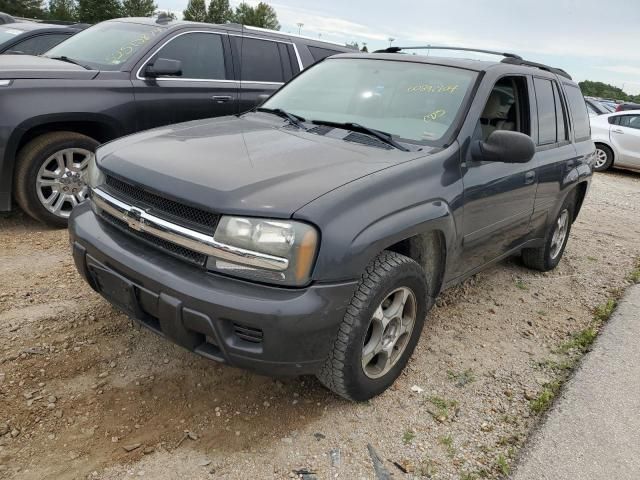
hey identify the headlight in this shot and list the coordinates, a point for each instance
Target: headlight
(274, 251)
(94, 176)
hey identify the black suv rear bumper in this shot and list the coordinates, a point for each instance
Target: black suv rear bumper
(271, 330)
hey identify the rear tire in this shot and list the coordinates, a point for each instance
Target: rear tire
(380, 330)
(547, 257)
(49, 176)
(604, 158)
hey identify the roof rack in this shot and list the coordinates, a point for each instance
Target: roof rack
(431, 47)
(510, 58)
(541, 66)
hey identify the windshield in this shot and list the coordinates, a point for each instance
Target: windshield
(7, 34)
(107, 45)
(416, 102)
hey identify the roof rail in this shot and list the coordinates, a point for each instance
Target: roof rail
(541, 66)
(431, 47)
(268, 30)
(510, 58)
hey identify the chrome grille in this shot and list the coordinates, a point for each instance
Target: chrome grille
(196, 218)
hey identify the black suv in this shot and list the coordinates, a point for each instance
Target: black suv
(124, 76)
(313, 235)
(30, 38)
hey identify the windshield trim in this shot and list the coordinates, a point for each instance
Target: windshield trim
(458, 121)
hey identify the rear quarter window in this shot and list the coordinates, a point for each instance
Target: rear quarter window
(318, 53)
(579, 114)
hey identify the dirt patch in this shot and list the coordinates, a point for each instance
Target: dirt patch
(78, 382)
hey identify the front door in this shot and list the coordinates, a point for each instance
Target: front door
(498, 197)
(205, 88)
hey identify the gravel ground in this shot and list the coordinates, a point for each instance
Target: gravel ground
(80, 385)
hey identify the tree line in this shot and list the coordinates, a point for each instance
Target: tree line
(604, 90)
(93, 11)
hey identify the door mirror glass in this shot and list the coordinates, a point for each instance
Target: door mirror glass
(163, 67)
(504, 146)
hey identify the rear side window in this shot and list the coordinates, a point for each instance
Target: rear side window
(261, 61)
(201, 55)
(579, 113)
(546, 111)
(318, 53)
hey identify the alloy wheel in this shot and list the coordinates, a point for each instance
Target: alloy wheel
(60, 183)
(389, 332)
(559, 233)
(601, 158)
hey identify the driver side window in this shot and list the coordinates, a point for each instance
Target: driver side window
(201, 56)
(630, 121)
(507, 108)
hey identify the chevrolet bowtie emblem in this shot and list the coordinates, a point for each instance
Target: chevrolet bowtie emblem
(134, 219)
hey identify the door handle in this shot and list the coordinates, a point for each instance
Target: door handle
(529, 177)
(618, 130)
(221, 98)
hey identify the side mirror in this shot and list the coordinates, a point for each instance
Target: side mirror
(504, 146)
(163, 67)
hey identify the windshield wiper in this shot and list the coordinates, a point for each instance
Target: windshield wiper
(294, 119)
(356, 127)
(64, 58)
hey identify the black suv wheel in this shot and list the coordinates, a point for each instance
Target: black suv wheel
(49, 178)
(547, 257)
(380, 329)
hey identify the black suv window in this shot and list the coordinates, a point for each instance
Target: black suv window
(561, 114)
(261, 60)
(39, 44)
(546, 111)
(507, 107)
(201, 54)
(318, 53)
(578, 112)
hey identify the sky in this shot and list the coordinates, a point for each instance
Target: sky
(591, 39)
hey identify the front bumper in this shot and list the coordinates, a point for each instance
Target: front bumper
(275, 331)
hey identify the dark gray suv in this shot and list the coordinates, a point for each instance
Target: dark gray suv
(313, 234)
(121, 77)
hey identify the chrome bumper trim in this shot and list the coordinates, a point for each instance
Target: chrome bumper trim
(142, 221)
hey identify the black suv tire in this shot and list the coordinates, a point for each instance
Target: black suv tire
(344, 372)
(31, 159)
(547, 257)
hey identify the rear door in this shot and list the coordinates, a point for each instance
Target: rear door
(556, 156)
(263, 65)
(205, 88)
(625, 135)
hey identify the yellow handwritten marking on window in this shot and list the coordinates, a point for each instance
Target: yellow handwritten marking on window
(124, 52)
(436, 114)
(428, 88)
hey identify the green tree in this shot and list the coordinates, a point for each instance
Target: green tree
(138, 8)
(24, 8)
(219, 12)
(196, 11)
(63, 10)
(262, 15)
(94, 11)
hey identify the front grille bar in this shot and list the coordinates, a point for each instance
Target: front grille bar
(143, 221)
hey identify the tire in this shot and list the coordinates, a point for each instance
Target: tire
(35, 182)
(604, 158)
(547, 257)
(386, 281)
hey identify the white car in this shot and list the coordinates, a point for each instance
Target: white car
(617, 139)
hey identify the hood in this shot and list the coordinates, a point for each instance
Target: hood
(30, 67)
(248, 165)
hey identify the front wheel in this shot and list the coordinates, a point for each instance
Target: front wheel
(50, 175)
(380, 329)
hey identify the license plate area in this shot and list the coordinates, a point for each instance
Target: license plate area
(117, 289)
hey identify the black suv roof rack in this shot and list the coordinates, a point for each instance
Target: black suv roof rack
(510, 58)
